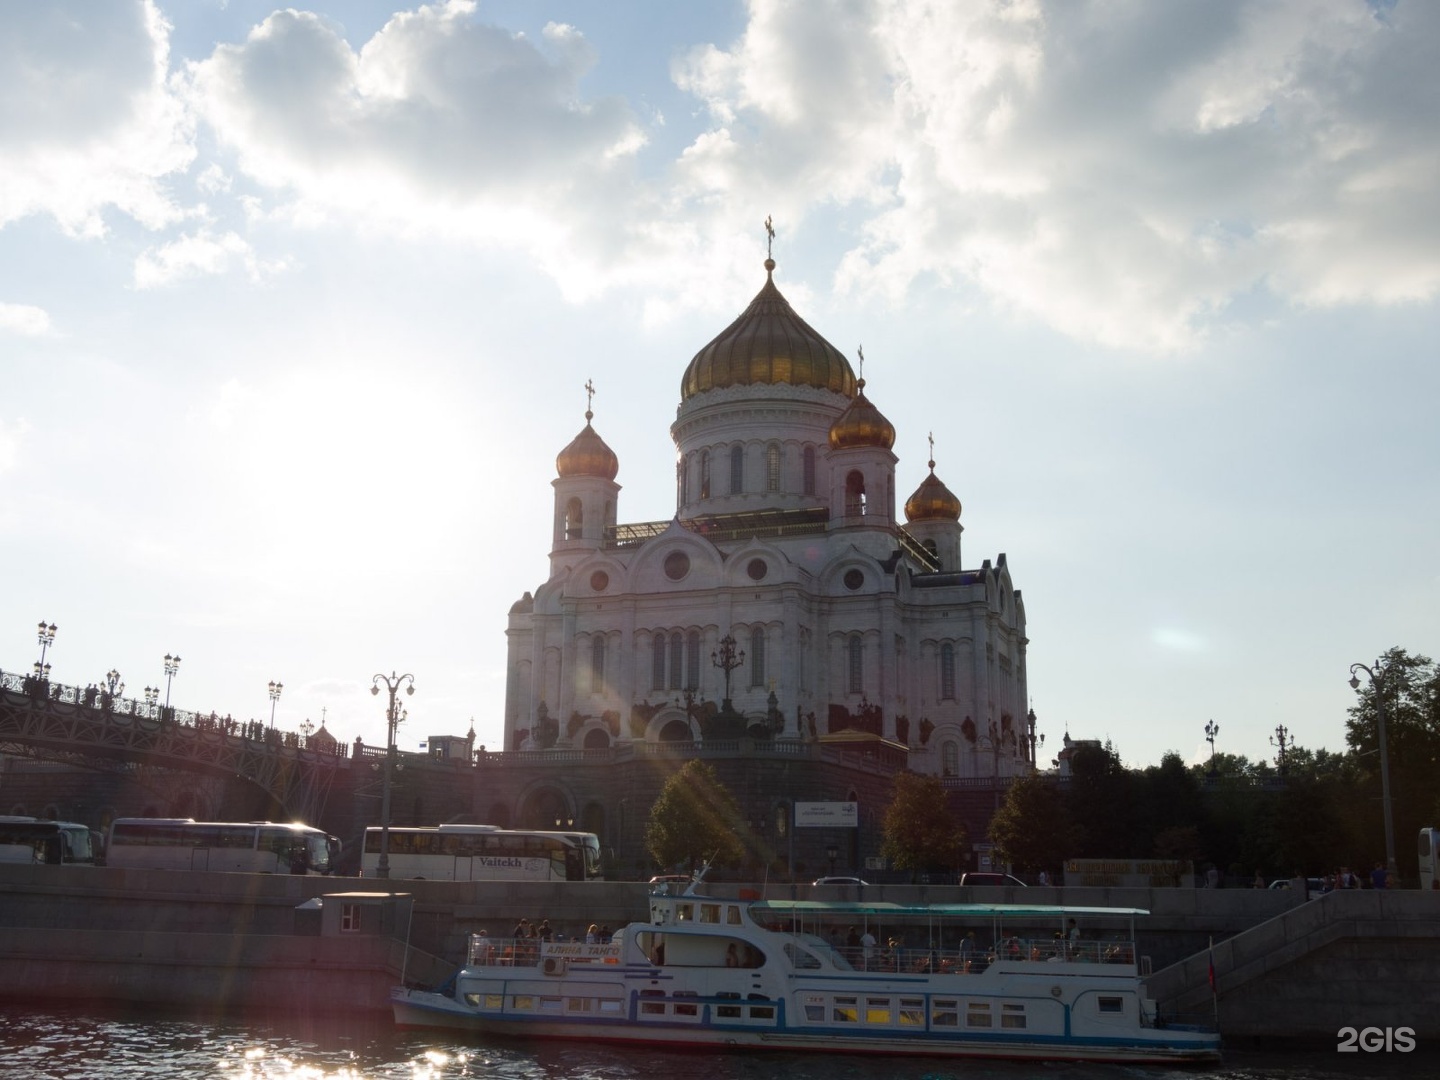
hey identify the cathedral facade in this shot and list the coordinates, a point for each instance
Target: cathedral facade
(785, 601)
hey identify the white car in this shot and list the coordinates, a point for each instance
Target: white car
(839, 881)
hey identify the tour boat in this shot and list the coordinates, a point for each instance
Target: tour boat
(1050, 982)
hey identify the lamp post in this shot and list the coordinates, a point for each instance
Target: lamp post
(47, 638)
(832, 853)
(152, 694)
(1377, 682)
(275, 688)
(172, 667)
(393, 717)
(1211, 730)
(113, 686)
(1281, 739)
(727, 659)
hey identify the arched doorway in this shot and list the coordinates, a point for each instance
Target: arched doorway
(675, 731)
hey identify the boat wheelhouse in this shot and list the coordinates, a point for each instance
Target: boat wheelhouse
(985, 980)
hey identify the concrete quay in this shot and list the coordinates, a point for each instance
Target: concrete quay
(233, 942)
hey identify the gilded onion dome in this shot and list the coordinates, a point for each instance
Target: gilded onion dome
(768, 343)
(861, 424)
(932, 501)
(587, 455)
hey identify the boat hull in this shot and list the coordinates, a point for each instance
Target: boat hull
(428, 1010)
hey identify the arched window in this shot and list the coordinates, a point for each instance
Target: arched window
(657, 663)
(677, 660)
(855, 495)
(692, 666)
(757, 656)
(808, 480)
(597, 664)
(737, 469)
(704, 474)
(950, 758)
(772, 467)
(857, 665)
(947, 672)
(574, 520)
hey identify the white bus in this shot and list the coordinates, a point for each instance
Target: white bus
(484, 853)
(1429, 857)
(36, 840)
(262, 847)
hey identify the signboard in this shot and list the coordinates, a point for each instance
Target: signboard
(821, 815)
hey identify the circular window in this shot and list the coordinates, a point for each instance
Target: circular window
(598, 580)
(756, 569)
(854, 579)
(677, 565)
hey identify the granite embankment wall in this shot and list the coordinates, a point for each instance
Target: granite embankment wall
(240, 941)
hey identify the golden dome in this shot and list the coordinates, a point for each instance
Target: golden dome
(932, 501)
(861, 424)
(768, 343)
(587, 455)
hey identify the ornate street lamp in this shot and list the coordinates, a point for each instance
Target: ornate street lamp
(275, 688)
(1211, 730)
(172, 667)
(393, 718)
(47, 638)
(152, 695)
(1377, 682)
(113, 686)
(727, 659)
(1281, 739)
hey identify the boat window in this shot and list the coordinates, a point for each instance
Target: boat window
(802, 960)
(473, 999)
(686, 1009)
(652, 1008)
(732, 915)
(912, 1012)
(684, 912)
(814, 1013)
(977, 1014)
(728, 1011)
(710, 913)
(846, 1010)
(522, 1001)
(1012, 1016)
(550, 1004)
(611, 1005)
(578, 1004)
(877, 1010)
(349, 918)
(1112, 1004)
(944, 1012)
(762, 1012)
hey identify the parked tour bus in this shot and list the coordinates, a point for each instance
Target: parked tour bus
(262, 847)
(484, 853)
(1429, 857)
(37, 840)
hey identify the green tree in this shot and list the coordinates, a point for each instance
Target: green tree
(1101, 803)
(921, 835)
(695, 819)
(1032, 830)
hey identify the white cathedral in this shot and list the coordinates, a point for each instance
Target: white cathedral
(785, 600)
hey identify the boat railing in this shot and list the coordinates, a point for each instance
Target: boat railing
(486, 951)
(953, 960)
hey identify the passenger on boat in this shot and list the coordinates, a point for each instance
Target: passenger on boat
(732, 956)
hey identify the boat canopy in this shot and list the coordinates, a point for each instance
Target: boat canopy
(913, 911)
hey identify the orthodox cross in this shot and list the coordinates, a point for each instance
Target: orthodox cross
(932, 450)
(769, 238)
(860, 351)
(589, 398)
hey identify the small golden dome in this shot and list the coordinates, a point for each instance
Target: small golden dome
(587, 455)
(768, 343)
(861, 424)
(932, 501)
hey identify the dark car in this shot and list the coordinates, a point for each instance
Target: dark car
(991, 879)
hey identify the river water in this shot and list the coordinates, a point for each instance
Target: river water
(78, 1044)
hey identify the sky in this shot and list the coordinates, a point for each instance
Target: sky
(298, 306)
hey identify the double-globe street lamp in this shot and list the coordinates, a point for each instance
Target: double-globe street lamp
(275, 688)
(47, 638)
(172, 667)
(393, 717)
(1377, 682)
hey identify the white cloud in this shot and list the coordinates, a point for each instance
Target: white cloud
(24, 319)
(201, 253)
(1122, 170)
(86, 119)
(12, 437)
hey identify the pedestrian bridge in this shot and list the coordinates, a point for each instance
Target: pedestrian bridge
(86, 726)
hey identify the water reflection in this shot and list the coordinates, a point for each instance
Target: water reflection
(80, 1043)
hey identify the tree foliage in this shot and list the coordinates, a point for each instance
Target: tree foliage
(1032, 830)
(921, 834)
(695, 819)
